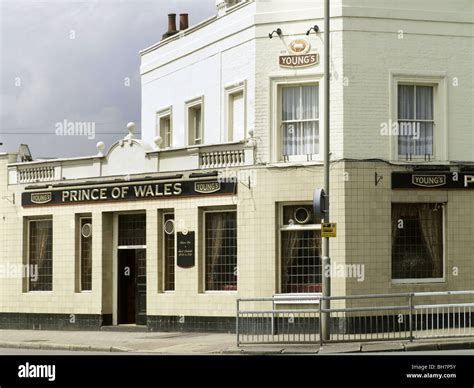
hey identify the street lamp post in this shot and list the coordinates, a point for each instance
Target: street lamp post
(326, 261)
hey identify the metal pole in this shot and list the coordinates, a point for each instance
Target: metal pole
(326, 261)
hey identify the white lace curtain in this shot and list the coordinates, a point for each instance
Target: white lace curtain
(415, 117)
(300, 120)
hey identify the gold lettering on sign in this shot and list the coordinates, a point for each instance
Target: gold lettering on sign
(41, 198)
(207, 187)
(429, 180)
(468, 180)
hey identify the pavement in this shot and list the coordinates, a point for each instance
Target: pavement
(200, 343)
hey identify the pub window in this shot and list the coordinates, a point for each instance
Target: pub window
(300, 250)
(40, 254)
(169, 251)
(417, 241)
(132, 230)
(164, 127)
(299, 121)
(195, 122)
(220, 245)
(85, 253)
(416, 121)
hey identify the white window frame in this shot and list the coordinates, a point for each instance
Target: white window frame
(441, 280)
(277, 85)
(29, 220)
(80, 253)
(230, 92)
(281, 227)
(438, 80)
(161, 114)
(191, 139)
(204, 263)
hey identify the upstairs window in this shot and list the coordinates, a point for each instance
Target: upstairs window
(300, 121)
(164, 128)
(416, 121)
(236, 112)
(195, 122)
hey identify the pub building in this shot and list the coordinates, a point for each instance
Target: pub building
(214, 201)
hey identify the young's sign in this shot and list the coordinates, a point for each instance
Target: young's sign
(433, 180)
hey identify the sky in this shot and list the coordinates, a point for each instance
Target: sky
(69, 69)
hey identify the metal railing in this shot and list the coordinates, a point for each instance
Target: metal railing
(356, 318)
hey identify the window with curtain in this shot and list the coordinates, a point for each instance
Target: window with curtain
(221, 251)
(415, 120)
(85, 236)
(417, 241)
(40, 254)
(300, 120)
(168, 250)
(300, 239)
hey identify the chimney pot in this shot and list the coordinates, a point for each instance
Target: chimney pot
(183, 22)
(171, 26)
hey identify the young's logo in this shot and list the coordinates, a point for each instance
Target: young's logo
(41, 198)
(429, 180)
(299, 46)
(207, 187)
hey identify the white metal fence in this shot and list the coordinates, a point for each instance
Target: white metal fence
(356, 318)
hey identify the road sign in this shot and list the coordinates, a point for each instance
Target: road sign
(328, 230)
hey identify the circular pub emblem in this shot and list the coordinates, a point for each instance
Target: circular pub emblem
(299, 46)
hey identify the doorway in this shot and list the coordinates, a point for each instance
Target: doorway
(131, 269)
(132, 286)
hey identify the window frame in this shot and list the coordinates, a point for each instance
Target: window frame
(441, 280)
(230, 92)
(164, 213)
(276, 117)
(28, 250)
(281, 227)
(204, 261)
(192, 104)
(80, 218)
(161, 114)
(438, 80)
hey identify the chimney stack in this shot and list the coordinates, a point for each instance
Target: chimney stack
(183, 21)
(171, 26)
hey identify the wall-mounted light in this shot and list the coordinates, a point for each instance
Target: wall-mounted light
(278, 31)
(315, 28)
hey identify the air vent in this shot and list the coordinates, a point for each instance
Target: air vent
(302, 215)
(168, 226)
(86, 230)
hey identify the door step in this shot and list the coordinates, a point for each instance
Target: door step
(126, 328)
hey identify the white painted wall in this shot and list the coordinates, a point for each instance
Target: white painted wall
(365, 52)
(202, 63)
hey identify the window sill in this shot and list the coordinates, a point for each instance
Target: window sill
(234, 292)
(419, 161)
(419, 281)
(296, 163)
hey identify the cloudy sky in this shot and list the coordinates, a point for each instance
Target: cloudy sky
(76, 61)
